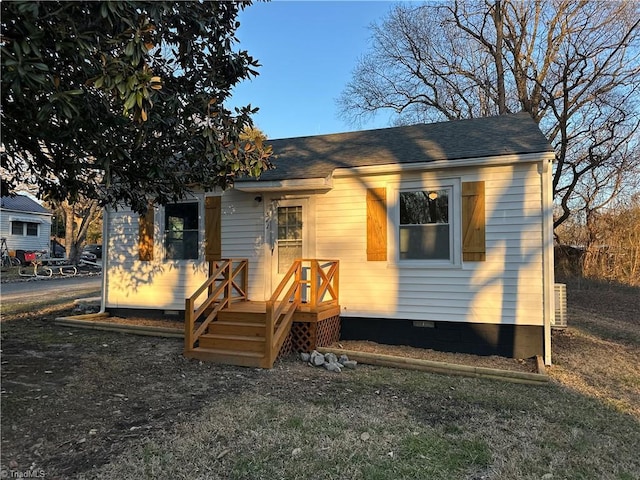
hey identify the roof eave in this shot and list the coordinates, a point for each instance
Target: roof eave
(489, 161)
(290, 185)
(22, 212)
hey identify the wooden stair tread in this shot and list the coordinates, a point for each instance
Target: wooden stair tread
(229, 357)
(239, 323)
(247, 306)
(224, 352)
(222, 336)
(236, 316)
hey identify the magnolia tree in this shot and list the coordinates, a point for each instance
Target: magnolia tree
(574, 66)
(123, 102)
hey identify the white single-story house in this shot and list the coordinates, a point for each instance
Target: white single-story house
(442, 232)
(24, 223)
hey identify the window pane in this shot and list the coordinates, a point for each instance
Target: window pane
(289, 223)
(424, 242)
(288, 251)
(173, 245)
(181, 231)
(424, 207)
(175, 224)
(294, 232)
(424, 232)
(32, 229)
(17, 228)
(289, 236)
(190, 242)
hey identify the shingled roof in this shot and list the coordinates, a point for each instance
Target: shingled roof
(22, 203)
(319, 156)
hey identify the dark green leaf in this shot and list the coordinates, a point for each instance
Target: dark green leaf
(163, 92)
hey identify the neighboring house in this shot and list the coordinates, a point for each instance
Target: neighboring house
(443, 233)
(24, 223)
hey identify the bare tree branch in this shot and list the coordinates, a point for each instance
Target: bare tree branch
(574, 66)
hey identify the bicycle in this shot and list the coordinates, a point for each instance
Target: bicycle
(8, 260)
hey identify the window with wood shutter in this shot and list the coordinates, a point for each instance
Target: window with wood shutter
(377, 224)
(473, 222)
(145, 236)
(181, 231)
(213, 228)
(424, 225)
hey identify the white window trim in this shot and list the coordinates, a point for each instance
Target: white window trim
(24, 227)
(455, 222)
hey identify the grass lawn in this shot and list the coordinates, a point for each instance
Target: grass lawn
(89, 404)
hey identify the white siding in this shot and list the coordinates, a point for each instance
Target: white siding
(164, 285)
(155, 284)
(506, 288)
(26, 242)
(243, 236)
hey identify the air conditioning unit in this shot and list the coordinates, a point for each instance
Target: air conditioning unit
(560, 294)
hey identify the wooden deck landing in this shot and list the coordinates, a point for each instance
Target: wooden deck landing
(303, 314)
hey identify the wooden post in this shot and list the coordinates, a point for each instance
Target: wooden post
(212, 267)
(298, 280)
(269, 327)
(188, 325)
(336, 282)
(314, 285)
(245, 279)
(228, 271)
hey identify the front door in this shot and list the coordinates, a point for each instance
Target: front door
(290, 236)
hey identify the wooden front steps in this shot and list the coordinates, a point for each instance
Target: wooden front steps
(237, 336)
(223, 326)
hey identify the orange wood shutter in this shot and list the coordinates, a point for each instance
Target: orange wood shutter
(473, 222)
(213, 228)
(145, 238)
(377, 224)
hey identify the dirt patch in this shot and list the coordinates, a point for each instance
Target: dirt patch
(72, 398)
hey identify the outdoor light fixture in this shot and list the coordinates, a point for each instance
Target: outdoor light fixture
(258, 198)
(433, 195)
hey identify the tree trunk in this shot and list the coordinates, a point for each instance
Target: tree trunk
(69, 230)
(498, 56)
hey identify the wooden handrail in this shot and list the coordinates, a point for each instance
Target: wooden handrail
(274, 328)
(323, 281)
(222, 289)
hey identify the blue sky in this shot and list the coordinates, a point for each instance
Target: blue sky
(308, 50)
